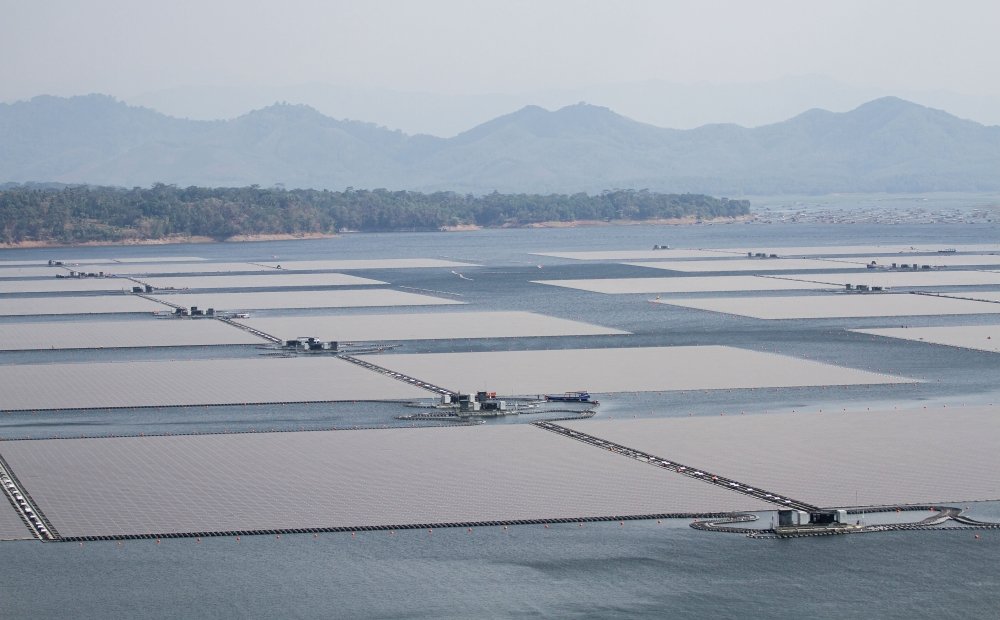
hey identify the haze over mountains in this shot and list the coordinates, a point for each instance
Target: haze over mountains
(656, 102)
(886, 145)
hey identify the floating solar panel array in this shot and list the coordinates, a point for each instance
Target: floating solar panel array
(978, 337)
(836, 306)
(834, 458)
(266, 280)
(103, 304)
(373, 263)
(100, 385)
(650, 369)
(342, 479)
(349, 298)
(757, 265)
(690, 284)
(426, 326)
(115, 334)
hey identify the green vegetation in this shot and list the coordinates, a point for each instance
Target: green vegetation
(78, 214)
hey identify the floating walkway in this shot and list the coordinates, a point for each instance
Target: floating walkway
(400, 376)
(25, 507)
(392, 528)
(158, 301)
(247, 328)
(685, 470)
(354, 360)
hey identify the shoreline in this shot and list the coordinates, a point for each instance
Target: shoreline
(676, 221)
(689, 220)
(173, 240)
(185, 239)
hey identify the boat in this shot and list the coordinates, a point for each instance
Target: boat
(569, 397)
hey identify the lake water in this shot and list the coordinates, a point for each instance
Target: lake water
(639, 569)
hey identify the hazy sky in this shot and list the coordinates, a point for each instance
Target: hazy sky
(130, 47)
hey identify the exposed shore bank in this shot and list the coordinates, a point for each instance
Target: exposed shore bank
(179, 239)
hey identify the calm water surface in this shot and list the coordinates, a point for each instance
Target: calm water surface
(641, 569)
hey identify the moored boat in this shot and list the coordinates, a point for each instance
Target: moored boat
(569, 397)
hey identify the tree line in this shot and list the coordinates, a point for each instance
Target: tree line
(77, 214)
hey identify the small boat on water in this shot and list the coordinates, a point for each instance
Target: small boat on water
(569, 397)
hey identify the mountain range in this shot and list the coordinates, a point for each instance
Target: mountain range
(886, 145)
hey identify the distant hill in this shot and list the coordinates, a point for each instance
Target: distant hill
(886, 145)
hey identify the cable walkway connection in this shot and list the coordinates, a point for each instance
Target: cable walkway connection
(247, 328)
(956, 296)
(159, 301)
(685, 470)
(437, 389)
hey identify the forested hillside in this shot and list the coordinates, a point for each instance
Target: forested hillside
(77, 214)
